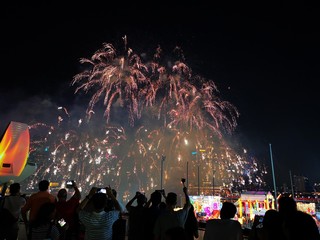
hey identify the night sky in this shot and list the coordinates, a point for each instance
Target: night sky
(263, 58)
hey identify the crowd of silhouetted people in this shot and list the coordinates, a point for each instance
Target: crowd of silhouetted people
(286, 223)
(99, 215)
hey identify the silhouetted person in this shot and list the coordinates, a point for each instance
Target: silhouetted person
(35, 201)
(297, 225)
(136, 216)
(170, 218)
(272, 225)
(152, 212)
(256, 231)
(97, 222)
(224, 228)
(119, 226)
(162, 207)
(14, 202)
(191, 226)
(67, 209)
(43, 226)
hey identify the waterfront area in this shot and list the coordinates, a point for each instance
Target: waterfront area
(217, 102)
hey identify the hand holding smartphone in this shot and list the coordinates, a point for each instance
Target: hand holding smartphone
(102, 190)
(69, 184)
(62, 222)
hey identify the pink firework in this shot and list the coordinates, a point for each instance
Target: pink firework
(115, 78)
(167, 106)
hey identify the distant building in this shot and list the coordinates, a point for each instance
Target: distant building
(284, 188)
(302, 184)
(316, 187)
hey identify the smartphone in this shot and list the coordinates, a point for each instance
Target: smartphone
(260, 219)
(102, 190)
(69, 184)
(62, 222)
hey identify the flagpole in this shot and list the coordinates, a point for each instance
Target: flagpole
(273, 177)
(292, 192)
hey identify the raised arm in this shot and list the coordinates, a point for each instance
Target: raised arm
(188, 204)
(84, 203)
(113, 199)
(147, 205)
(129, 204)
(77, 193)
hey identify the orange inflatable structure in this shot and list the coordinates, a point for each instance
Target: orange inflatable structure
(14, 149)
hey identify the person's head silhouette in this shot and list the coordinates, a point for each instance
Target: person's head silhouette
(228, 210)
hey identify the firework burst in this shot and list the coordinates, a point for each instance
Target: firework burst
(71, 149)
(166, 107)
(152, 108)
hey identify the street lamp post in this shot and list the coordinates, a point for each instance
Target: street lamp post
(213, 182)
(199, 158)
(163, 158)
(292, 192)
(194, 153)
(274, 178)
(198, 179)
(187, 174)
(213, 175)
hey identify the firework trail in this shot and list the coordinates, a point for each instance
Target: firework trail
(169, 112)
(71, 149)
(152, 108)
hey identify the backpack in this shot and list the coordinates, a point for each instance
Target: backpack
(6, 218)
